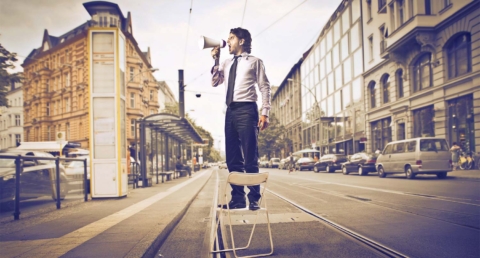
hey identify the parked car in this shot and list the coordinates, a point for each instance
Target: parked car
(263, 164)
(222, 164)
(274, 162)
(424, 155)
(362, 162)
(304, 163)
(330, 162)
(37, 179)
(284, 163)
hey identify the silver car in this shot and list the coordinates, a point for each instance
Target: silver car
(425, 155)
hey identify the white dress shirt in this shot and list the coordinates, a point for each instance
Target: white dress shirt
(250, 72)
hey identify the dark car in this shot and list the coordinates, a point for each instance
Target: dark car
(330, 162)
(36, 180)
(304, 163)
(363, 163)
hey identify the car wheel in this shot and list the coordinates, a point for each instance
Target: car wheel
(409, 173)
(315, 169)
(344, 170)
(360, 171)
(381, 172)
(442, 175)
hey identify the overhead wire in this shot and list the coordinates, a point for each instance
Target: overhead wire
(188, 29)
(243, 16)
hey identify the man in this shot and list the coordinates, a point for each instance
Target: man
(180, 166)
(240, 74)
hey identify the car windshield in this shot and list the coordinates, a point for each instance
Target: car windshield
(7, 163)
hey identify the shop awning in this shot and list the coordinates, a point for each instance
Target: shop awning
(42, 146)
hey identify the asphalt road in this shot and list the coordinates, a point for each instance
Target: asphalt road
(424, 217)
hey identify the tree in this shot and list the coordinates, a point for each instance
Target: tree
(270, 140)
(6, 62)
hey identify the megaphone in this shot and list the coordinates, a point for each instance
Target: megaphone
(205, 42)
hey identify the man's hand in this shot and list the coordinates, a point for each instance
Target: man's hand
(263, 122)
(216, 53)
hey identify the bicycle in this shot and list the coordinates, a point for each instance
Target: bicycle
(465, 161)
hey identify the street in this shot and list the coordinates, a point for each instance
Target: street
(425, 217)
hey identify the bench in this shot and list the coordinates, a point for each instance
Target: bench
(181, 172)
(167, 174)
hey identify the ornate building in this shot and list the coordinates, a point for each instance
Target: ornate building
(422, 71)
(11, 118)
(56, 96)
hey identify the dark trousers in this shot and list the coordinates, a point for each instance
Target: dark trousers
(241, 134)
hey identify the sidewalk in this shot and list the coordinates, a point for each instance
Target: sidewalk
(134, 226)
(465, 174)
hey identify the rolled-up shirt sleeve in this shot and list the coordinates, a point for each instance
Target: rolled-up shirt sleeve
(217, 75)
(264, 87)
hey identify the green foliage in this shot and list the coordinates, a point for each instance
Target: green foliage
(270, 141)
(6, 62)
(171, 108)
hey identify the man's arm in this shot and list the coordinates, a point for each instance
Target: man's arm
(217, 72)
(265, 90)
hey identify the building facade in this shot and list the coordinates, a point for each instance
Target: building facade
(11, 118)
(55, 91)
(422, 71)
(286, 103)
(332, 83)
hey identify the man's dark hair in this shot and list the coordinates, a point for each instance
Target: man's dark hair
(245, 35)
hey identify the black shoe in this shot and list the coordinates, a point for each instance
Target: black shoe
(254, 206)
(234, 205)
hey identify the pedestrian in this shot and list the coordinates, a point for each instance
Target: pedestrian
(240, 74)
(455, 150)
(315, 158)
(292, 163)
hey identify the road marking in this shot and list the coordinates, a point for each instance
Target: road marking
(56, 247)
(442, 198)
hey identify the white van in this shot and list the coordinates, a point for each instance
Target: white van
(425, 155)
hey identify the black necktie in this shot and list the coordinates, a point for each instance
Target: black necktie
(231, 81)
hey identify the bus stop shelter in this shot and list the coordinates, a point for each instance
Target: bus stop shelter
(163, 138)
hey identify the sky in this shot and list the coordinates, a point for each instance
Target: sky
(282, 30)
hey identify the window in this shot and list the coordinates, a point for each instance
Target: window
(372, 91)
(423, 125)
(67, 133)
(459, 55)
(132, 127)
(386, 88)
(428, 7)
(47, 86)
(369, 9)
(392, 16)
(151, 94)
(381, 4)
(446, 3)
(67, 80)
(131, 73)
(49, 133)
(59, 106)
(345, 20)
(344, 49)
(399, 80)
(422, 73)
(132, 100)
(411, 146)
(370, 47)
(399, 147)
(401, 12)
(67, 104)
(401, 131)
(17, 120)
(48, 109)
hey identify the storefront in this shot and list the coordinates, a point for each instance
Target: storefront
(461, 122)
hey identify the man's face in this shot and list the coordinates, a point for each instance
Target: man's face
(234, 44)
